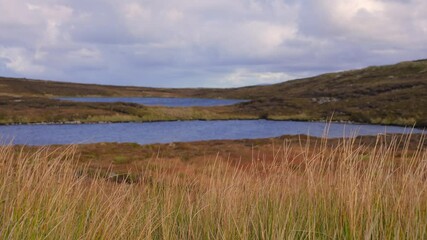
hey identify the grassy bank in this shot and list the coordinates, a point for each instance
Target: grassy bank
(347, 190)
(31, 110)
(43, 110)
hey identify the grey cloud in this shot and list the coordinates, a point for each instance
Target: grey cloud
(219, 43)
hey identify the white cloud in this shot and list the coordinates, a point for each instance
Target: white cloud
(361, 21)
(20, 61)
(242, 76)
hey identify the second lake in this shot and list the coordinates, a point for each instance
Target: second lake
(168, 102)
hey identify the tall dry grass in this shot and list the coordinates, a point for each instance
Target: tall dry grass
(349, 191)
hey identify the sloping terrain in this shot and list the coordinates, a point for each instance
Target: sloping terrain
(393, 94)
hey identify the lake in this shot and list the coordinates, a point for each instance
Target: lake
(168, 102)
(180, 131)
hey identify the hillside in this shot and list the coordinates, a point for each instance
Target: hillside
(18, 87)
(393, 94)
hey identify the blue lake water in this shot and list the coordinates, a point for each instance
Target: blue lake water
(181, 131)
(169, 102)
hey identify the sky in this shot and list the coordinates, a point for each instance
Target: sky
(205, 43)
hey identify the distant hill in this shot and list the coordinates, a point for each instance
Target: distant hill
(392, 94)
(41, 88)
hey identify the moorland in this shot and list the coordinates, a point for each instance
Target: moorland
(392, 94)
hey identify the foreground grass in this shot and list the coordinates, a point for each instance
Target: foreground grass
(347, 191)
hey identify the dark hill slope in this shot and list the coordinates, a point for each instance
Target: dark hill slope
(355, 83)
(40, 88)
(369, 81)
(395, 94)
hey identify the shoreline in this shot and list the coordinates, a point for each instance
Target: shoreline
(262, 140)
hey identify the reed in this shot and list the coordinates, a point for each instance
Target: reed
(348, 191)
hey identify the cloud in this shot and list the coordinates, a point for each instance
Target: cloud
(245, 77)
(219, 43)
(20, 61)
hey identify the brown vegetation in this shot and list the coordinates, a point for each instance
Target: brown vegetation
(123, 158)
(345, 189)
